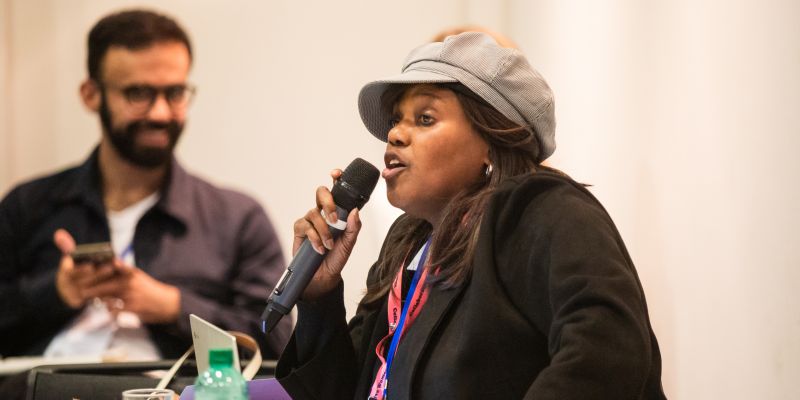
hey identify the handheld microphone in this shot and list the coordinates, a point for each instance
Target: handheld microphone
(350, 191)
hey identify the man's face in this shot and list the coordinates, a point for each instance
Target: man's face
(142, 133)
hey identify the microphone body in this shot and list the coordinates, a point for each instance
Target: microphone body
(352, 190)
(296, 277)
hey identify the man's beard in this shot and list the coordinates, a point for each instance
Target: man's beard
(124, 139)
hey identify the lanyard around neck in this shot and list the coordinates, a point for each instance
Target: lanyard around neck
(404, 313)
(411, 307)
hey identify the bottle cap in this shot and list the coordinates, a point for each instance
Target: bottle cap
(220, 358)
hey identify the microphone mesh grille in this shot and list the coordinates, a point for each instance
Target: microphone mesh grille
(361, 176)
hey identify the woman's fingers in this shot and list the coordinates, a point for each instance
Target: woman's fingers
(344, 245)
(327, 216)
(300, 227)
(335, 175)
(353, 227)
(326, 204)
(314, 227)
(312, 233)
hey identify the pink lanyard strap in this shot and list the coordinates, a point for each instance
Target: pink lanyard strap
(400, 317)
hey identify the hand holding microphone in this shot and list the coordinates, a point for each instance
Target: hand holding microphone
(315, 227)
(312, 272)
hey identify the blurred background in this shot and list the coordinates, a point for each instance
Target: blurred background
(683, 115)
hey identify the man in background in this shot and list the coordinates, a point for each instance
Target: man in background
(181, 245)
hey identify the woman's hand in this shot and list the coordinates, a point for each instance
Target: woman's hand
(314, 227)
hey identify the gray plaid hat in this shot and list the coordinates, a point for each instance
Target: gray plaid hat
(500, 76)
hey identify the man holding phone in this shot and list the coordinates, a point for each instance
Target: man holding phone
(178, 245)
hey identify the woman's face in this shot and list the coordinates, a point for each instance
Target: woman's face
(432, 152)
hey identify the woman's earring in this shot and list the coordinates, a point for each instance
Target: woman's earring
(488, 170)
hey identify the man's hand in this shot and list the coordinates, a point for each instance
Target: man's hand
(133, 290)
(124, 286)
(72, 280)
(153, 301)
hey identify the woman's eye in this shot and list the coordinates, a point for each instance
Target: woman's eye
(394, 121)
(425, 119)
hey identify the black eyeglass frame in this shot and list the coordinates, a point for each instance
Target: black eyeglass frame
(142, 97)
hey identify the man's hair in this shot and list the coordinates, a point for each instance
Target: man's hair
(133, 30)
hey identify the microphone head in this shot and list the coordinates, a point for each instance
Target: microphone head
(356, 184)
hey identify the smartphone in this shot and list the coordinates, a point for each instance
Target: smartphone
(93, 253)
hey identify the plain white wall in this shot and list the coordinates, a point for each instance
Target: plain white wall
(5, 94)
(681, 114)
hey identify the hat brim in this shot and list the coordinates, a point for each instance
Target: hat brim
(372, 113)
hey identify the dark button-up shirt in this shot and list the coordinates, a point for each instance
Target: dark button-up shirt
(216, 246)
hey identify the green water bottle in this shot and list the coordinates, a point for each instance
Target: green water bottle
(221, 381)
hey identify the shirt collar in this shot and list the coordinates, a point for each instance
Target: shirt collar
(176, 195)
(86, 186)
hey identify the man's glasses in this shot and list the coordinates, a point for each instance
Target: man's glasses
(142, 97)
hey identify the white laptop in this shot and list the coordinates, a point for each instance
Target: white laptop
(205, 337)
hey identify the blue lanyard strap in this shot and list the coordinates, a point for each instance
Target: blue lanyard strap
(127, 250)
(399, 329)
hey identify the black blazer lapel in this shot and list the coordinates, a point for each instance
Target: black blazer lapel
(417, 339)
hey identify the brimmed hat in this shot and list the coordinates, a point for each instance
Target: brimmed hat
(500, 76)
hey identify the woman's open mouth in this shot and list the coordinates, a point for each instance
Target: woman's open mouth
(393, 167)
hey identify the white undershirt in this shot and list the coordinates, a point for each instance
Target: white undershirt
(412, 266)
(95, 332)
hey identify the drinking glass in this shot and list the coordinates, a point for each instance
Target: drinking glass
(148, 394)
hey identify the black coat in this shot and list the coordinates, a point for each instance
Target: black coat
(553, 310)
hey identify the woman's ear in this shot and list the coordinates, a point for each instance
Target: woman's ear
(90, 94)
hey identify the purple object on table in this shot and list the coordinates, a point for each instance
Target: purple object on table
(259, 389)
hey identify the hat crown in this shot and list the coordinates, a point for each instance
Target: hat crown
(474, 52)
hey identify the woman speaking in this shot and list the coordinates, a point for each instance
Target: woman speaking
(503, 279)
